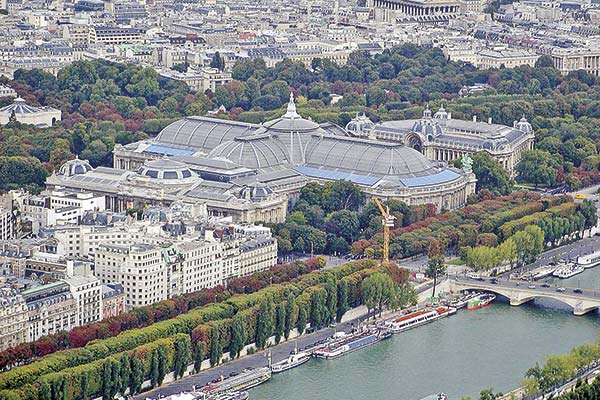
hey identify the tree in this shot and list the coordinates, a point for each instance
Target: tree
(238, 336)
(183, 355)
(301, 320)
(342, 300)
(538, 167)
(215, 347)
(265, 323)
(137, 374)
(290, 304)
(318, 308)
(154, 369)
(85, 385)
(342, 195)
(343, 224)
(589, 212)
(218, 61)
(198, 356)
(45, 391)
(378, 291)
(491, 175)
(125, 374)
(279, 321)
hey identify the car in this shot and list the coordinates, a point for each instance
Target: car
(545, 285)
(494, 281)
(234, 373)
(531, 286)
(577, 291)
(560, 289)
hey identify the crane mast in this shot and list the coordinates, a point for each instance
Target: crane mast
(387, 221)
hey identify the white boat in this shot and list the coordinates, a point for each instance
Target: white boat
(543, 272)
(418, 318)
(589, 261)
(567, 272)
(292, 361)
(194, 395)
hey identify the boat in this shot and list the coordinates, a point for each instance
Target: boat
(543, 272)
(439, 396)
(589, 261)
(351, 342)
(418, 318)
(242, 382)
(567, 272)
(482, 300)
(462, 301)
(294, 360)
(199, 395)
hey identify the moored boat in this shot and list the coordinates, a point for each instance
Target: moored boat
(589, 261)
(242, 382)
(352, 342)
(199, 395)
(482, 300)
(567, 272)
(294, 360)
(543, 272)
(418, 318)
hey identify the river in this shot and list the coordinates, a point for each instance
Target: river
(460, 355)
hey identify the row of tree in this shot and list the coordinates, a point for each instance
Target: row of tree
(206, 332)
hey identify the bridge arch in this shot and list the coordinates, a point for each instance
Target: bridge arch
(518, 296)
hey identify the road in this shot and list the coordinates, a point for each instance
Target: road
(571, 251)
(537, 287)
(259, 359)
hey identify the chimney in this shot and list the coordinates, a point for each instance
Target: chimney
(489, 120)
(474, 118)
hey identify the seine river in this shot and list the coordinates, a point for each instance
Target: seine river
(460, 355)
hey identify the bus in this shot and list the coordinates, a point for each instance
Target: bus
(580, 196)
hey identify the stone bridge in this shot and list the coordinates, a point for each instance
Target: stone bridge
(519, 293)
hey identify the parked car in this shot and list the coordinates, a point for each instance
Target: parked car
(531, 286)
(545, 285)
(577, 291)
(494, 281)
(560, 289)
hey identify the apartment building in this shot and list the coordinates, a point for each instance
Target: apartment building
(13, 318)
(51, 308)
(87, 292)
(113, 300)
(138, 267)
(115, 35)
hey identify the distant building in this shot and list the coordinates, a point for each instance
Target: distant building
(200, 80)
(572, 59)
(115, 35)
(7, 219)
(87, 292)
(42, 117)
(113, 300)
(13, 318)
(428, 11)
(442, 138)
(6, 91)
(51, 309)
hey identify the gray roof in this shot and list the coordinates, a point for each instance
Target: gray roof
(200, 133)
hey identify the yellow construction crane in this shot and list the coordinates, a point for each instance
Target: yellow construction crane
(387, 221)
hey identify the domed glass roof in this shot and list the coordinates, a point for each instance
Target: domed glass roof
(166, 169)
(75, 167)
(291, 121)
(253, 152)
(524, 126)
(361, 125)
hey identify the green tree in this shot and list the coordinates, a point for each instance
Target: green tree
(378, 291)
(318, 308)
(85, 385)
(137, 374)
(342, 195)
(265, 324)
(279, 321)
(154, 369)
(290, 305)
(238, 336)
(183, 355)
(218, 61)
(589, 212)
(198, 356)
(301, 320)
(490, 174)
(215, 347)
(342, 300)
(538, 167)
(45, 391)
(125, 373)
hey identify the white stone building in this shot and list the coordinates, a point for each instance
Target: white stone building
(42, 117)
